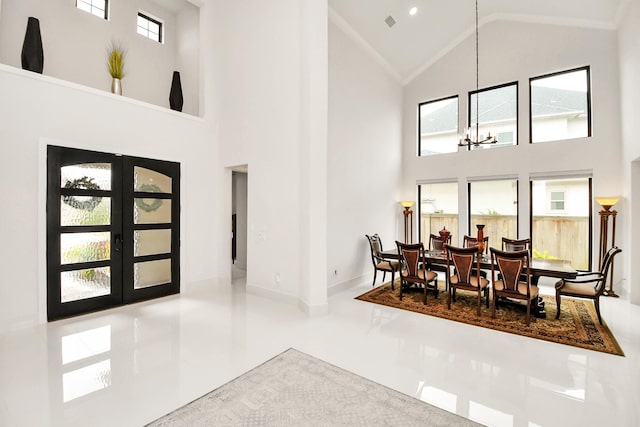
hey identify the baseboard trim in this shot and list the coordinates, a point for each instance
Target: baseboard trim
(348, 284)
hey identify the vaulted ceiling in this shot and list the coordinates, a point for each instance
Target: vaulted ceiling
(414, 42)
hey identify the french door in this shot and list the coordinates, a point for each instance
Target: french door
(113, 230)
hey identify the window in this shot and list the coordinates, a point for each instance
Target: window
(494, 204)
(149, 27)
(437, 209)
(94, 7)
(561, 220)
(438, 127)
(556, 200)
(560, 106)
(498, 107)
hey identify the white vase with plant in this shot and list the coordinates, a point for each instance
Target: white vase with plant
(115, 63)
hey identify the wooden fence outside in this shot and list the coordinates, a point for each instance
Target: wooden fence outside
(562, 237)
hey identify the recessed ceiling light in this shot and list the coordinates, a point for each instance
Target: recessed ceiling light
(413, 11)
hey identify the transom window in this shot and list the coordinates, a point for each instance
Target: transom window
(498, 114)
(149, 27)
(560, 106)
(94, 7)
(438, 126)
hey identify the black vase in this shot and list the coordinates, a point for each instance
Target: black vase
(32, 54)
(175, 96)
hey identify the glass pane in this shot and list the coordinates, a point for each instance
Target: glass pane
(150, 181)
(82, 284)
(154, 28)
(498, 114)
(151, 242)
(84, 247)
(151, 273)
(85, 210)
(439, 127)
(86, 176)
(151, 211)
(142, 22)
(438, 210)
(560, 230)
(559, 107)
(495, 204)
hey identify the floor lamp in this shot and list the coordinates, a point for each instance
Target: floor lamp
(408, 221)
(606, 212)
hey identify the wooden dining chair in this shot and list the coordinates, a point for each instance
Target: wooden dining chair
(466, 274)
(513, 266)
(588, 284)
(414, 269)
(469, 241)
(437, 243)
(512, 245)
(380, 263)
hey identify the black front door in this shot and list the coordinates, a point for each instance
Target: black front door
(113, 233)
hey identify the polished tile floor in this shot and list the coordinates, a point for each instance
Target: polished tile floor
(128, 366)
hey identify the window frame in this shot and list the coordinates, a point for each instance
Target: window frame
(591, 201)
(587, 68)
(90, 3)
(419, 136)
(517, 102)
(146, 16)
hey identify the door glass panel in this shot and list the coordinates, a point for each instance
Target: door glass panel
(85, 210)
(84, 247)
(86, 176)
(150, 181)
(151, 242)
(151, 211)
(151, 273)
(80, 284)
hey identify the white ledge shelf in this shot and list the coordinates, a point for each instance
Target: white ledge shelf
(87, 89)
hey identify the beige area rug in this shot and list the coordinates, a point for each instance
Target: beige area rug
(578, 325)
(295, 389)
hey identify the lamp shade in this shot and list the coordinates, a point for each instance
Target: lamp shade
(407, 204)
(607, 202)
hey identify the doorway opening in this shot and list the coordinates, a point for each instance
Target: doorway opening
(239, 220)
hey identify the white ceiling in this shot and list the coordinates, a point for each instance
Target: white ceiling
(415, 42)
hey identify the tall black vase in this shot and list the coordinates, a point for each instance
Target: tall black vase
(32, 54)
(175, 96)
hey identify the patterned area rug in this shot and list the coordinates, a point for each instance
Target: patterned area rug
(295, 389)
(578, 324)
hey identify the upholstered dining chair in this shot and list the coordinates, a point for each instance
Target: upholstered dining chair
(466, 274)
(513, 266)
(469, 241)
(512, 245)
(414, 269)
(380, 263)
(588, 284)
(437, 243)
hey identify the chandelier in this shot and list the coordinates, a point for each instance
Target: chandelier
(468, 140)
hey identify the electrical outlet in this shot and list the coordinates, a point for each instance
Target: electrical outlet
(277, 278)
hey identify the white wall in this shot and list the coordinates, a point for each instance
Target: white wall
(273, 118)
(364, 155)
(75, 46)
(44, 110)
(514, 52)
(629, 51)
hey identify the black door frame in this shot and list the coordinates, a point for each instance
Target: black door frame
(122, 231)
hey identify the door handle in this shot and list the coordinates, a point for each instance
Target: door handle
(117, 243)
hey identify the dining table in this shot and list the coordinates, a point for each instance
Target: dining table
(539, 267)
